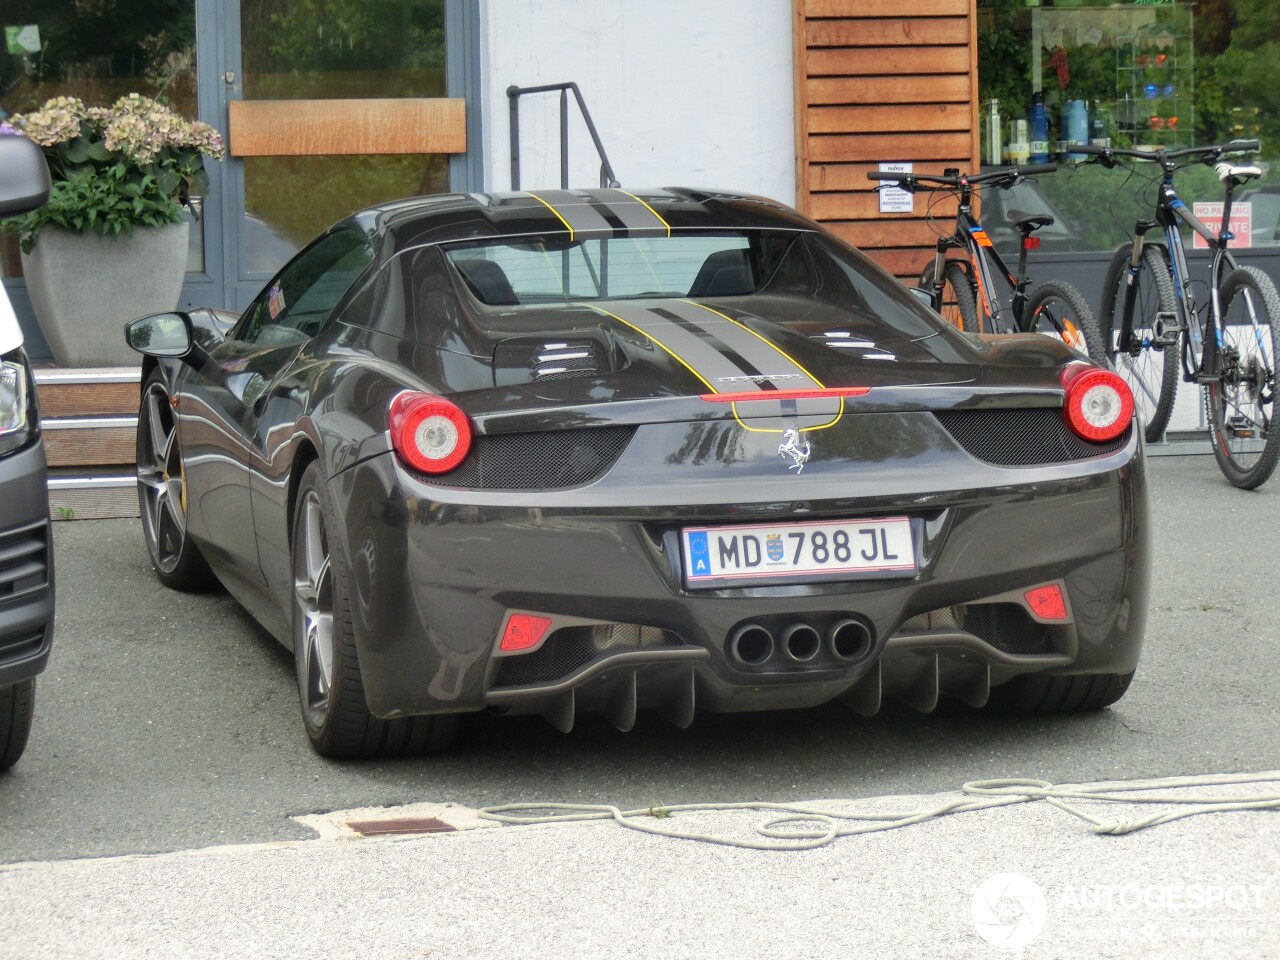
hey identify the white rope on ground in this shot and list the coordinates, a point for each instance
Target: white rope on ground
(806, 827)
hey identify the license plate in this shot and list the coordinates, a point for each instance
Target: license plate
(783, 552)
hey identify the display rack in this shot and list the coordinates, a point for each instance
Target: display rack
(1155, 76)
(1148, 48)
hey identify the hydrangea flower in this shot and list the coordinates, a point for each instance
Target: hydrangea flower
(135, 162)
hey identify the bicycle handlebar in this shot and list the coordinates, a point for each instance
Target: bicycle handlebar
(1004, 178)
(1107, 155)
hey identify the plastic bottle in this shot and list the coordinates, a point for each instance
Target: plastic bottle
(1075, 126)
(1039, 129)
(995, 152)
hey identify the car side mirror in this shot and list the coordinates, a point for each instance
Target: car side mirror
(160, 335)
(24, 176)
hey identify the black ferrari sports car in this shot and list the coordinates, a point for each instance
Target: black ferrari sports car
(591, 450)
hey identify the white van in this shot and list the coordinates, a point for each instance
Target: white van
(26, 542)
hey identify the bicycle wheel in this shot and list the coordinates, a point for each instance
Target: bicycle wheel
(1241, 402)
(1151, 369)
(1057, 309)
(959, 304)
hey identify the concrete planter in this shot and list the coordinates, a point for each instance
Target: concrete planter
(84, 288)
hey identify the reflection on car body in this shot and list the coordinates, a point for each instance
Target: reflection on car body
(490, 436)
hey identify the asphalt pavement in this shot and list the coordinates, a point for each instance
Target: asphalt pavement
(167, 724)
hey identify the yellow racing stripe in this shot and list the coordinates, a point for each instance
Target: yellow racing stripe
(790, 359)
(655, 213)
(553, 210)
(769, 343)
(650, 337)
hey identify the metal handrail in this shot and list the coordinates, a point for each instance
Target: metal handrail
(514, 93)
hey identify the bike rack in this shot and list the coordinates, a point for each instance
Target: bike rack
(514, 93)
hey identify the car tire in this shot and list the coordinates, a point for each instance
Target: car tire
(162, 497)
(327, 665)
(1034, 693)
(17, 706)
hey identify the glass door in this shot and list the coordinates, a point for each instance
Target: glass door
(325, 102)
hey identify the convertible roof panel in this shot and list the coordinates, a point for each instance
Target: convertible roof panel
(577, 214)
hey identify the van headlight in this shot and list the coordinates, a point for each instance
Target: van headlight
(15, 414)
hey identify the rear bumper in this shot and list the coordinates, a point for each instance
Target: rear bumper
(26, 566)
(433, 581)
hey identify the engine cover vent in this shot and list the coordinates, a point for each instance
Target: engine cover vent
(530, 360)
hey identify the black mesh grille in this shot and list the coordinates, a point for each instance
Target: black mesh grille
(1007, 627)
(1021, 438)
(24, 562)
(539, 461)
(571, 648)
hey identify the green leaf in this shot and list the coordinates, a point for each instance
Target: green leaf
(77, 151)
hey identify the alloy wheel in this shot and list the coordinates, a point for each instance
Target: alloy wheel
(161, 482)
(313, 623)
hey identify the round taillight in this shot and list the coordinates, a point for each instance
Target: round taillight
(429, 433)
(1098, 404)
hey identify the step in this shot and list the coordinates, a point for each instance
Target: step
(90, 441)
(89, 417)
(81, 391)
(108, 494)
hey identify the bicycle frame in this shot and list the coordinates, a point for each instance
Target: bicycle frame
(987, 265)
(1200, 357)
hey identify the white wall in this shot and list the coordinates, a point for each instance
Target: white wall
(683, 92)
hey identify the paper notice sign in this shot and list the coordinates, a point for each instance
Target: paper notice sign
(894, 199)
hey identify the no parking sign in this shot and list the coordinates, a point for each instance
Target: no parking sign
(1210, 214)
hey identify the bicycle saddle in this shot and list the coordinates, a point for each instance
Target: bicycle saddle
(1031, 223)
(1238, 175)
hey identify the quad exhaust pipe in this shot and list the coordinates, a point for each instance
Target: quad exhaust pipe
(801, 642)
(848, 639)
(753, 645)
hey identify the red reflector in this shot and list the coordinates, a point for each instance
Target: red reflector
(1032, 243)
(815, 394)
(1047, 602)
(524, 630)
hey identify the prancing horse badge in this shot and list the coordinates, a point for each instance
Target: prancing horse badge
(791, 447)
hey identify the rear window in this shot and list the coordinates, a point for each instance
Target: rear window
(553, 270)
(762, 265)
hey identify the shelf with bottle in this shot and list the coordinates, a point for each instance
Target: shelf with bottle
(1155, 79)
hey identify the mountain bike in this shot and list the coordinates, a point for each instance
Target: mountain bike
(964, 290)
(1152, 323)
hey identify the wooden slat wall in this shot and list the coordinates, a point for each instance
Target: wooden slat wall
(882, 80)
